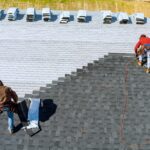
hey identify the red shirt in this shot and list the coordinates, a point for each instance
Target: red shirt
(142, 41)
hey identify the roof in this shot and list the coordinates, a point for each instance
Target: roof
(30, 10)
(81, 13)
(139, 15)
(12, 10)
(65, 14)
(106, 13)
(45, 10)
(42, 52)
(97, 107)
(123, 16)
(97, 101)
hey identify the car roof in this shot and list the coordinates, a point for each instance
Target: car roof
(106, 13)
(12, 10)
(82, 13)
(45, 10)
(123, 15)
(30, 10)
(139, 15)
(65, 14)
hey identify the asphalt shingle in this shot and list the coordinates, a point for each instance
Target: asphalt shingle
(91, 112)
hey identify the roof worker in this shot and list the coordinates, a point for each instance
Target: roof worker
(140, 49)
(8, 103)
(147, 49)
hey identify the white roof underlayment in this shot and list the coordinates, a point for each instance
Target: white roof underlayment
(33, 54)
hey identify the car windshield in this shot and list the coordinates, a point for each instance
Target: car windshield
(65, 18)
(108, 16)
(140, 19)
(46, 14)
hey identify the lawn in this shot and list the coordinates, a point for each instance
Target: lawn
(130, 6)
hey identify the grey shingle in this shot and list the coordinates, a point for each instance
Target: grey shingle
(90, 102)
(89, 108)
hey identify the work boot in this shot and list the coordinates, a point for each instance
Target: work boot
(11, 131)
(147, 70)
(139, 63)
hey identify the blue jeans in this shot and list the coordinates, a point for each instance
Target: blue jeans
(10, 118)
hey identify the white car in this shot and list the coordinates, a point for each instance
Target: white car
(46, 14)
(106, 16)
(64, 17)
(12, 13)
(81, 16)
(139, 18)
(123, 18)
(30, 14)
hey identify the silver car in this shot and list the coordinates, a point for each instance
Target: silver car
(64, 17)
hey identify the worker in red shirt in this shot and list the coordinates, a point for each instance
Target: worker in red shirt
(140, 49)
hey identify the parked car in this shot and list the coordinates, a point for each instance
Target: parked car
(46, 14)
(81, 16)
(123, 18)
(107, 16)
(12, 13)
(139, 18)
(30, 14)
(64, 17)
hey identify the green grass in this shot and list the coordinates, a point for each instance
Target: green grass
(129, 6)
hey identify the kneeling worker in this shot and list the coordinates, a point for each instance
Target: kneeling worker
(8, 102)
(140, 52)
